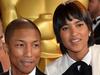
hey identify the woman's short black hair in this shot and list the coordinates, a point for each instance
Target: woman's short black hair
(66, 11)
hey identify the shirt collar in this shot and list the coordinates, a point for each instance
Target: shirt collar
(86, 59)
(97, 18)
(32, 73)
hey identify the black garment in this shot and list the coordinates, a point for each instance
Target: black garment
(97, 32)
(5, 73)
(1, 68)
(94, 22)
(38, 72)
(83, 70)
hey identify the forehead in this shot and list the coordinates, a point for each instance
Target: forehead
(25, 35)
(94, 1)
(26, 32)
(91, 0)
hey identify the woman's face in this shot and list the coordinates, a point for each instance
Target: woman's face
(75, 35)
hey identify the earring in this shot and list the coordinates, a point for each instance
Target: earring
(90, 34)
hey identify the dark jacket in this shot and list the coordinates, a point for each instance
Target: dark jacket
(1, 68)
(97, 34)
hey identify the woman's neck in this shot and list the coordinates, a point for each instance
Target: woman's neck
(77, 56)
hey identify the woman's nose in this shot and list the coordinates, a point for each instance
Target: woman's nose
(73, 31)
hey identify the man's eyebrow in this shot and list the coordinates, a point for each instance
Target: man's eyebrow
(36, 41)
(33, 41)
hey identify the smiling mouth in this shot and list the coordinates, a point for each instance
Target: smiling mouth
(27, 63)
(75, 41)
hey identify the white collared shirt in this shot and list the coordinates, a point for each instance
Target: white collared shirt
(32, 73)
(86, 59)
(60, 65)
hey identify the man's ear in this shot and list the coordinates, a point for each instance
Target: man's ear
(5, 46)
(3, 39)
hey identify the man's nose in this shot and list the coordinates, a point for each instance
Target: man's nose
(28, 51)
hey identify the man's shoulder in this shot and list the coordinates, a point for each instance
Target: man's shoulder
(1, 68)
(5, 73)
(38, 72)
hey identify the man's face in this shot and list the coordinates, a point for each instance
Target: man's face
(24, 50)
(93, 7)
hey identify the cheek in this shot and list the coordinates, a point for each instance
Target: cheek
(65, 37)
(14, 58)
(85, 35)
(36, 56)
(65, 40)
(15, 54)
(36, 53)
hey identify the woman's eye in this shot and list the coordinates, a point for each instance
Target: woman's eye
(64, 28)
(79, 25)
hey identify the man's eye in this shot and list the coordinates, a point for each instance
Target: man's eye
(19, 45)
(36, 45)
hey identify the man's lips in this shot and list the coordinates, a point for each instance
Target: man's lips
(27, 62)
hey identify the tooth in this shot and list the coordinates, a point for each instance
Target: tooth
(75, 40)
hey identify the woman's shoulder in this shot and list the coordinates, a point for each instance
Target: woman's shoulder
(95, 48)
(58, 66)
(56, 62)
(53, 67)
